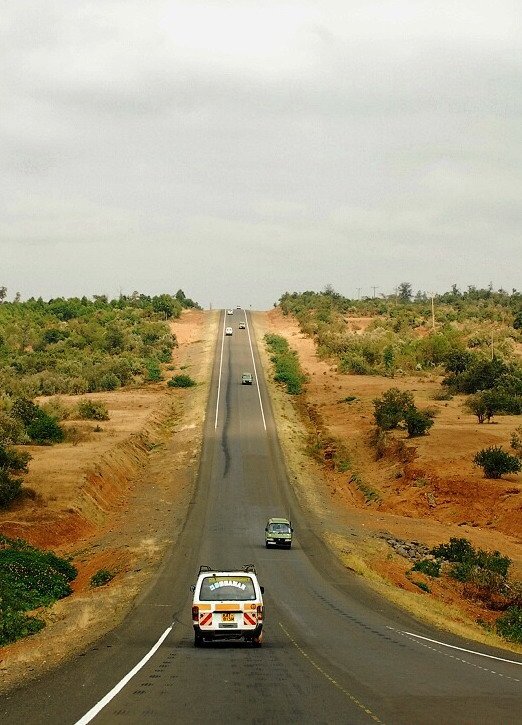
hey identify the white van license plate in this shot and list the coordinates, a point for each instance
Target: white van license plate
(229, 625)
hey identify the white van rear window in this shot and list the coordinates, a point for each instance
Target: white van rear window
(229, 588)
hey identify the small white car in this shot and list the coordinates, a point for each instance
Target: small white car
(227, 605)
(230, 312)
(242, 325)
(228, 330)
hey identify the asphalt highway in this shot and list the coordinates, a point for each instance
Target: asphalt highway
(333, 651)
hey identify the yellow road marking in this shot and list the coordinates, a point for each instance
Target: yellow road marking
(345, 692)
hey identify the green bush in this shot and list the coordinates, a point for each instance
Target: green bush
(391, 408)
(509, 625)
(455, 550)
(286, 364)
(45, 430)
(92, 410)
(29, 578)
(109, 381)
(12, 465)
(418, 422)
(15, 625)
(101, 577)
(495, 461)
(470, 564)
(429, 567)
(153, 368)
(181, 381)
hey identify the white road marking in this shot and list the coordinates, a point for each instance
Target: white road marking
(220, 368)
(255, 372)
(121, 684)
(461, 649)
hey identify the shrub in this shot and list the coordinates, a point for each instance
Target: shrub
(286, 364)
(456, 550)
(15, 625)
(181, 381)
(12, 430)
(92, 410)
(57, 409)
(153, 369)
(485, 568)
(391, 408)
(516, 442)
(418, 422)
(495, 461)
(428, 567)
(101, 577)
(31, 578)
(12, 465)
(109, 381)
(45, 430)
(509, 625)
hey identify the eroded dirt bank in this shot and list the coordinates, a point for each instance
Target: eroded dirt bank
(114, 501)
(431, 495)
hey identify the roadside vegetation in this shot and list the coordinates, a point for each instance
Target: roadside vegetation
(73, 346)
(471, 337)
(29, 580)
(471, 341)
(483, 576)
(286, 364)
(78, 345)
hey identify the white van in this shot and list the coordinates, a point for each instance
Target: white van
(227, 605)
(228, 330)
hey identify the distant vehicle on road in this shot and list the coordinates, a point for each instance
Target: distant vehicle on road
(239, 307)
(230, 312)
(278, 532)
(247, 379)
(228, 330)
(242, 325)
(227, 605)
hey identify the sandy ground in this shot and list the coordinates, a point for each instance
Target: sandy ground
(114, 501)
(437, 493)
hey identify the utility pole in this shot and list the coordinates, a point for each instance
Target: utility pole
(374, 287)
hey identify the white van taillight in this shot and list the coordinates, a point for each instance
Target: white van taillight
(195, 614)
(259, 612)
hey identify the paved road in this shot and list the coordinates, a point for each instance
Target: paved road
(333, 651)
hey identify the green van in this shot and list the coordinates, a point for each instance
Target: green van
(278, 532)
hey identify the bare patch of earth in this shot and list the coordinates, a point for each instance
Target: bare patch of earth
(115, 501)
(435, 493)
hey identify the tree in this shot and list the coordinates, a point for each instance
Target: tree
(517, 322)
(3, 294)
(495, 461)
(405, 291)
(391, 408)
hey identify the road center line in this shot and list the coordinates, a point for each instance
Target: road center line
(121, 684)
(220, 368)
(255, 371)
(461, 649)
(345, 692)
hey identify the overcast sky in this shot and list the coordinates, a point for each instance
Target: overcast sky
(243, 149)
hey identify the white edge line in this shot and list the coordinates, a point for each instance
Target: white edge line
(462, 649)
(220, 368)
(121, 684)
(255, 371)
